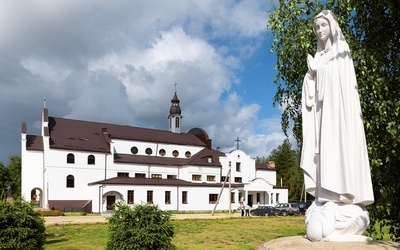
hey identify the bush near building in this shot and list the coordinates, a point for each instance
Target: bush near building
(141, 227)
(20, 226)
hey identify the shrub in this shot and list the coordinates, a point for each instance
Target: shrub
(51, 213)
(141, 227)
(20, 226)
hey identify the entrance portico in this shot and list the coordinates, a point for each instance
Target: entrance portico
(261, 192)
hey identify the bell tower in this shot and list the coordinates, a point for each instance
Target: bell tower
(175, 117)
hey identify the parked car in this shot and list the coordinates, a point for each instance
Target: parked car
(265, 211)
(288, 208)
(303, 206)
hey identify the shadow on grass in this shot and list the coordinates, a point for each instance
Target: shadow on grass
(52, 238)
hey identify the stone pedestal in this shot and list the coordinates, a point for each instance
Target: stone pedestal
(336, 222)
(301, 243)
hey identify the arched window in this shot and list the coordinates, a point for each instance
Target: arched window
(70, 158)
(70, 181)
(177, 122)
(90, 160)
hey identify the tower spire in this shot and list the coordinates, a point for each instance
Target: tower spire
(175, 117)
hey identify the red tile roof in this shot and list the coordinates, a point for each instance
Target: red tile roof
(260, 166)
(88, 136)
(34, 142)
(157, 182)
(202, 158)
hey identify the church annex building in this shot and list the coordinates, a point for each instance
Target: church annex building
(87, 166)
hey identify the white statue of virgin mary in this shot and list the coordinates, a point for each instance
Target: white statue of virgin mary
(334, 153)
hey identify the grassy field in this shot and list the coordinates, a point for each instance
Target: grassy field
(234, 233)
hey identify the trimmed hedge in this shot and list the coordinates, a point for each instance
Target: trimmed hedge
(20, 226)
(51, 213)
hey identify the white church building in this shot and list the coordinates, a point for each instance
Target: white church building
(88, 166)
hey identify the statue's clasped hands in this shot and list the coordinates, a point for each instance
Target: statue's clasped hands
(311, 65)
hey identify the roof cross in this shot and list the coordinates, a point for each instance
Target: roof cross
(237, 142)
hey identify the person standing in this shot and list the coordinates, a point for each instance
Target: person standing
(247, 208)
(241, 206)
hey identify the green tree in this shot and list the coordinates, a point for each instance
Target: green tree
(287, 164)
(11, 176)
(3, 179)
(141, 227)
(20, 226)
(371, 30)
(14, 171)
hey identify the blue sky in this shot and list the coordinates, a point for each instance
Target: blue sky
(117, 62)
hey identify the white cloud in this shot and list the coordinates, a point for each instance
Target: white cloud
(98, 60)
(45, 70)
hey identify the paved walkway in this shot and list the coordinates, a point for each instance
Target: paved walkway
(62, 220)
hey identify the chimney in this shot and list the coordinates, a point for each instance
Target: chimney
(23, 128)
(271, 164)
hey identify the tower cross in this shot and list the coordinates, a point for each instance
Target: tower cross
(237, 142)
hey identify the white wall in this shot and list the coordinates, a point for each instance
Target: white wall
(197, 198)
(247, 165)
(268, 175)
(31, 173)
(186, 173)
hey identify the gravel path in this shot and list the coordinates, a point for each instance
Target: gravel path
(62, 220)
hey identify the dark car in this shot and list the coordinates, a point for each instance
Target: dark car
(265, 211)
(288, 208)
(303, 206)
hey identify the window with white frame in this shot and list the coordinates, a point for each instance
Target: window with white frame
(196, 177)
(167, 197)
(213, 198)
(131, 197)
(210, 177)
(184, 197)
(70, 181)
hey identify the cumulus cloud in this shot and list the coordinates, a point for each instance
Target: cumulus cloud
(118, 63)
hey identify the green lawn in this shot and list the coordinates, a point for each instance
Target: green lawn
(233, 233)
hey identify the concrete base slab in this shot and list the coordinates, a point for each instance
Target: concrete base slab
(300, 243)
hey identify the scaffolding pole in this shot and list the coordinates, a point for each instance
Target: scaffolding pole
(220, 193)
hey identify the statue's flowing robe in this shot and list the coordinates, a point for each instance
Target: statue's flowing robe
(334, 153)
